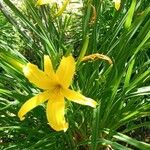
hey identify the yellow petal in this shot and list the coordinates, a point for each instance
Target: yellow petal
(66, 71)
(79, 98)
(32, 103)
(42, 2)
(117, 4)
(38, 77)
(48, 67)
(56, 113)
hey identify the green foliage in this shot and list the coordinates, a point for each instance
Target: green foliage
(121, 89)
(9, 38)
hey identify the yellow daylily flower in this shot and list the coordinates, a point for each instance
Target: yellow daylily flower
(59, 2)
(56, 87)
(43, 2)
(117, 4)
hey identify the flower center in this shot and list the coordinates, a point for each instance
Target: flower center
(58, 87)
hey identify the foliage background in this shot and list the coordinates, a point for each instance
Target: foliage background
(122, 89)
